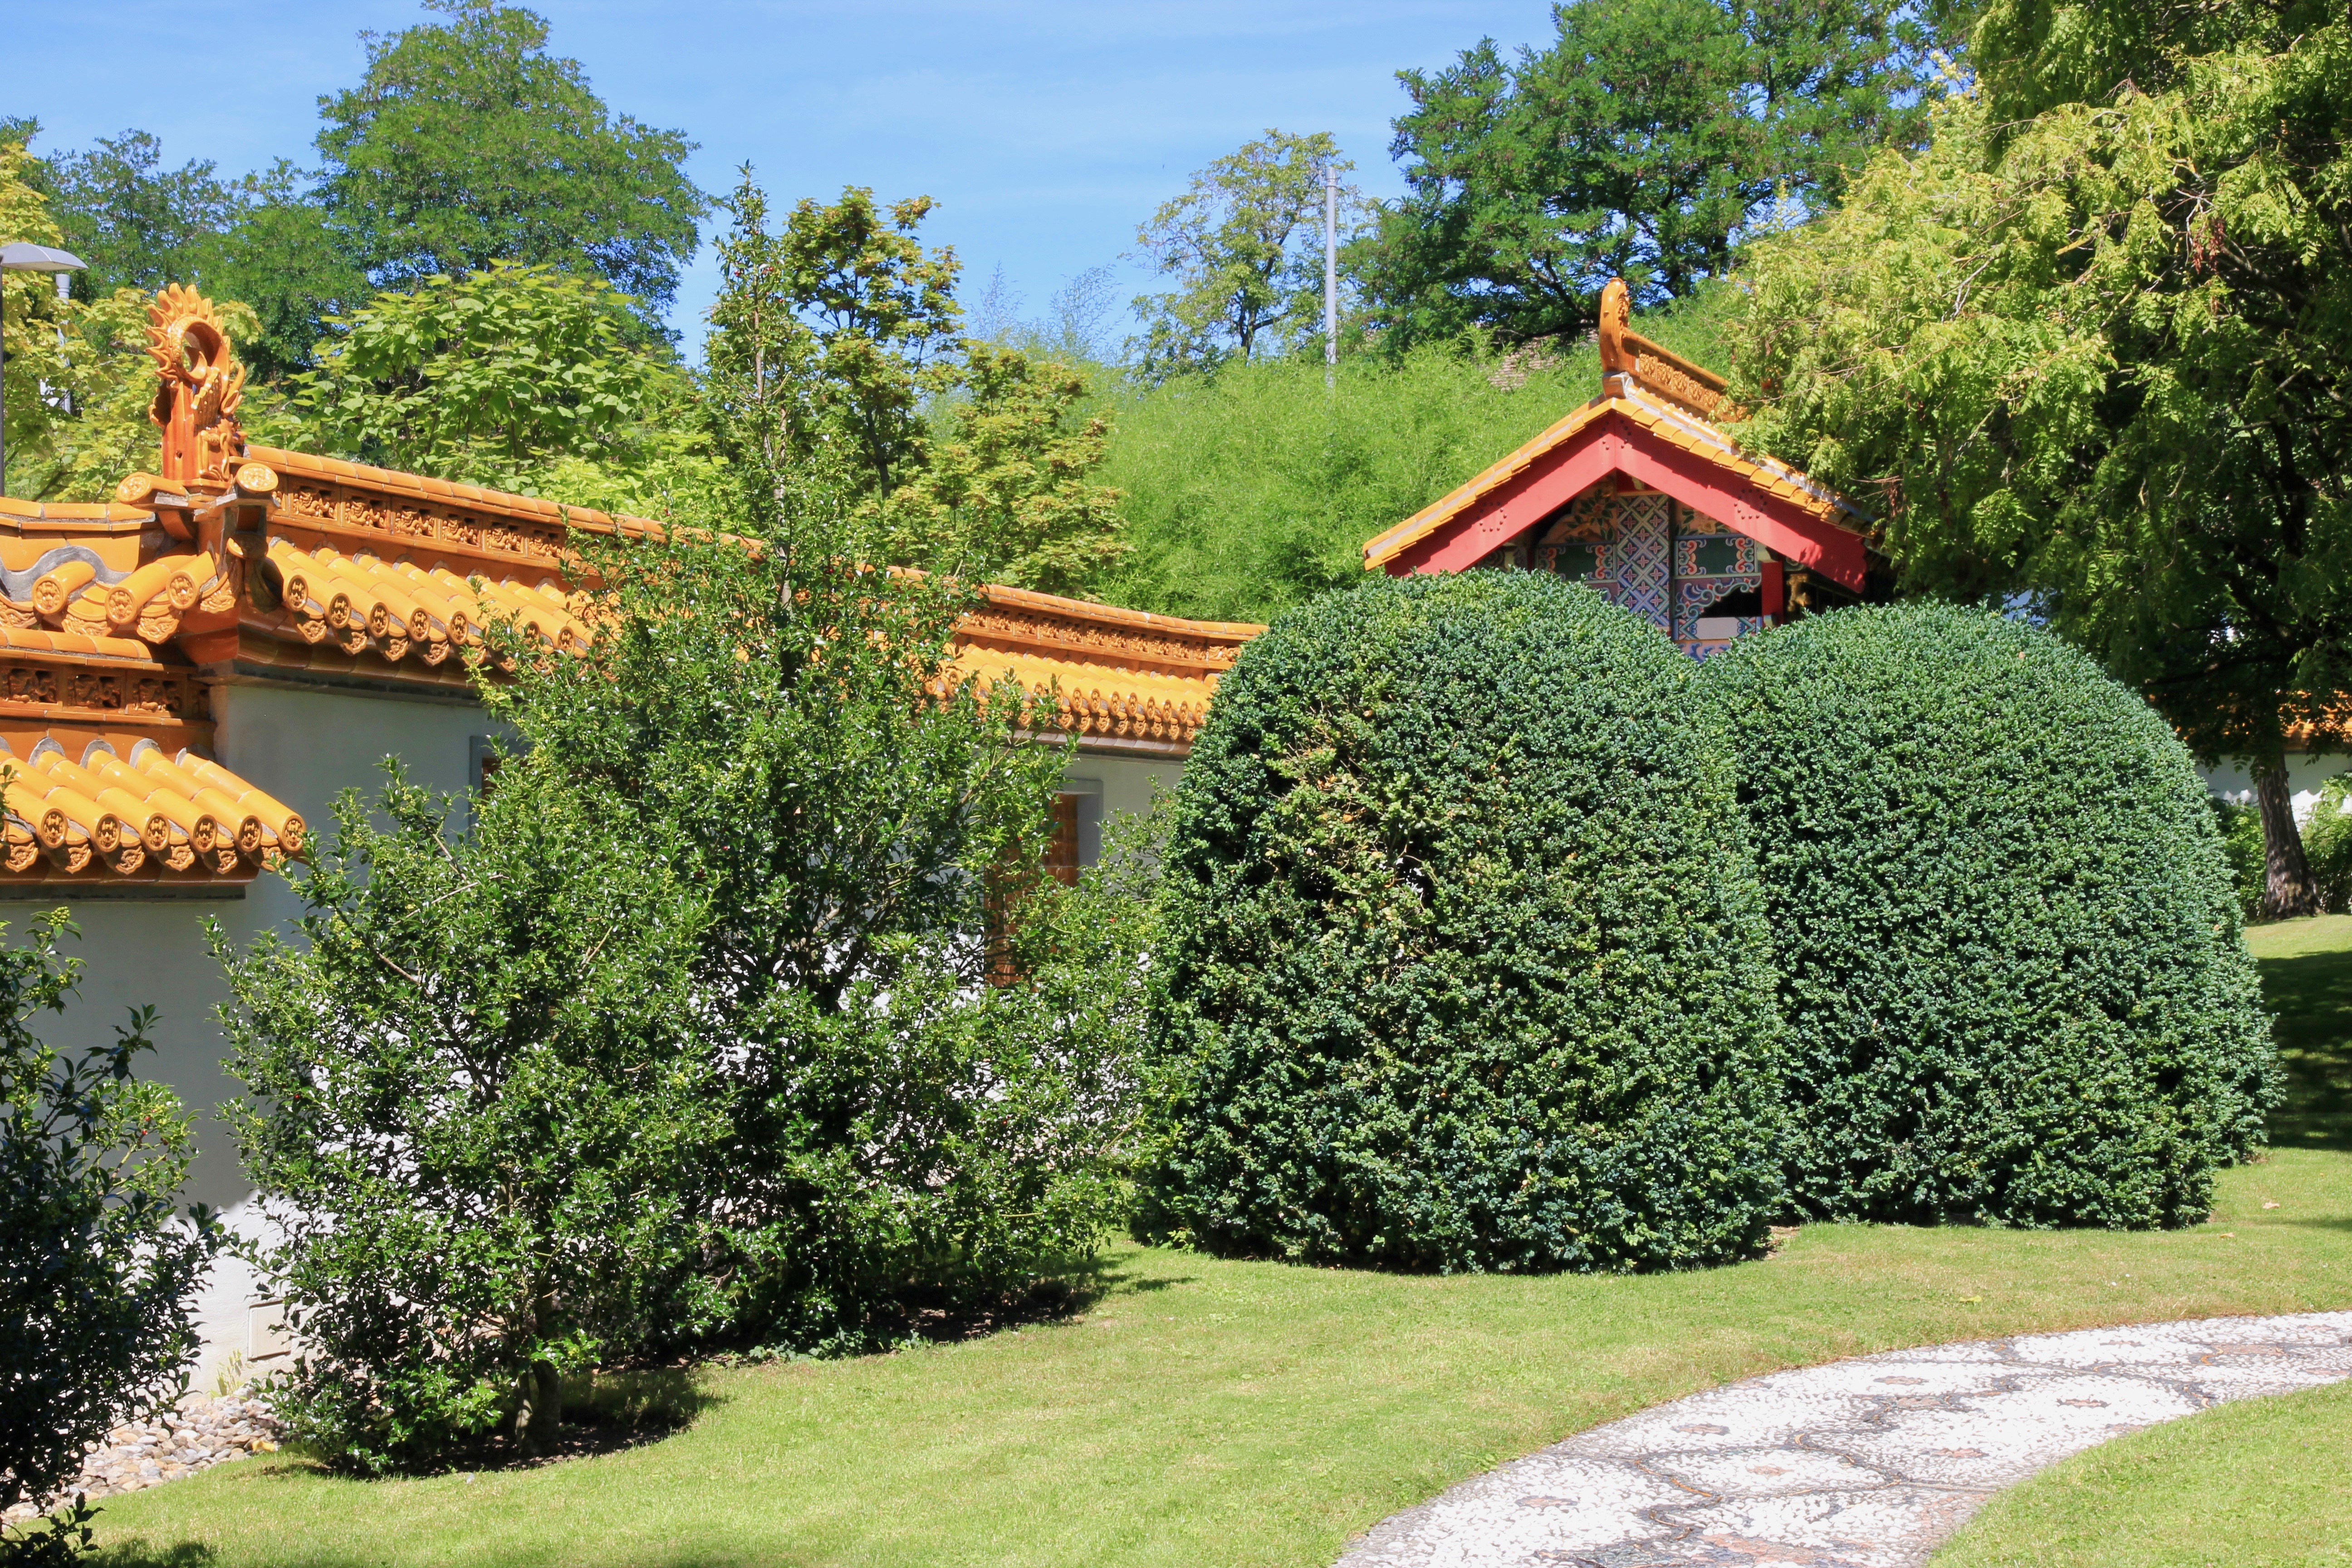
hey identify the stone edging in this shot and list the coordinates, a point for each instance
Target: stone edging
(194, 1434)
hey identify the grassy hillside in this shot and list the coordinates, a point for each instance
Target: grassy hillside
(1248, 491)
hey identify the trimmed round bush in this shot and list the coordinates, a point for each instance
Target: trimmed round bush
(1464, 964)
(2009, 951)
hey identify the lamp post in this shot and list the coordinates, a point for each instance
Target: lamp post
(20, 257)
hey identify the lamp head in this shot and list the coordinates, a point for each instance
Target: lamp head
(21, 256)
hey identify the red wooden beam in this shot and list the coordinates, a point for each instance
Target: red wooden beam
(1617, 445)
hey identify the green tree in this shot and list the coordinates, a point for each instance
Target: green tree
(466, 142)
(902, 1136)
(1639, 145)
(490, 378)
(262, 238)
(138, 224)
(283, 260)
(1008, 492)
(839, 327)
(97, 1269)
(30, 312)
(80, 377)
(2094, 347)
(1244, 245)
(479, 1109)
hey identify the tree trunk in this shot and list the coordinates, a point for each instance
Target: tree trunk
(538, 1409)
(2287, 887)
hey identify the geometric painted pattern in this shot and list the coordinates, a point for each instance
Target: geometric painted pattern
(1668, 566)
(1644, 557)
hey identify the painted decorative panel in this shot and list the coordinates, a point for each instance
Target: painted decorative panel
(1688, 575)
(1643, 570)
(1719, 581)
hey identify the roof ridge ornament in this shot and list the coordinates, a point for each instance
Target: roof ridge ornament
(1632, 363)
(201, 388)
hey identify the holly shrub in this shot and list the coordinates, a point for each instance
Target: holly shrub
(1464, 964)
(2007, 944)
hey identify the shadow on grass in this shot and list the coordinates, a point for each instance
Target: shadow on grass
(139, 1555)
(2312, 994)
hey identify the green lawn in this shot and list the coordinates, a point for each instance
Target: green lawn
(2262, 1481)
(1205, 1413)
(2307, 976)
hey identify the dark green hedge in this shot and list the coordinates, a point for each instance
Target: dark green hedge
(2008, 944)
(1464, 964)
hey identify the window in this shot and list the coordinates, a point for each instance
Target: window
(1062, 856)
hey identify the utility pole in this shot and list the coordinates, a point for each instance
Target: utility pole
(1330, 274)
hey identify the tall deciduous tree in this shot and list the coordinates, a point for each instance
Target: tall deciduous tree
(1639, 145)
(834, 330)
(1245, 248)
(2095, 348)
(845, 800)
(468, 142)
(137, 224)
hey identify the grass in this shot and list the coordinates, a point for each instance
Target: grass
(2262, 1482)
(2307, 976)
(1198, 1412)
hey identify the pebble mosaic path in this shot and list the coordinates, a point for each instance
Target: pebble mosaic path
(1869, 1463)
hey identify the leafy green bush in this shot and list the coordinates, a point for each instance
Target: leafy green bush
(97, 1270)
(904, 1141)
(2327, 844)
(479, 1112)
(2008, 944)
(1464, 959)
(2240, 824)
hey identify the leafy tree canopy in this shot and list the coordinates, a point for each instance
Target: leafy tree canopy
(837, 327)
(1008, 493)
(466, 142)
(486, 378)
(1244, 246)
(2096, 350)
(1640, 144)
(137, 224)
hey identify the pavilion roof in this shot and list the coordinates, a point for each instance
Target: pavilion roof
(1653, 423)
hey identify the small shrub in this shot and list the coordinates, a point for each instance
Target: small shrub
(1462, 964)
(97, 1270)
(2240, 824)
(2007, 944)
(2326, 845)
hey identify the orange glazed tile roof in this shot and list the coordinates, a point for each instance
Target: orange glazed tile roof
(1123, 680)
(397, 608)
(237, 564)
(111, 818)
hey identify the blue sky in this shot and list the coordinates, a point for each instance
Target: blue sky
(1046, 131)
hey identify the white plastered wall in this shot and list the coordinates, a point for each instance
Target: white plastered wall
(1109, 784)
(2306, 775)
(304, 747)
